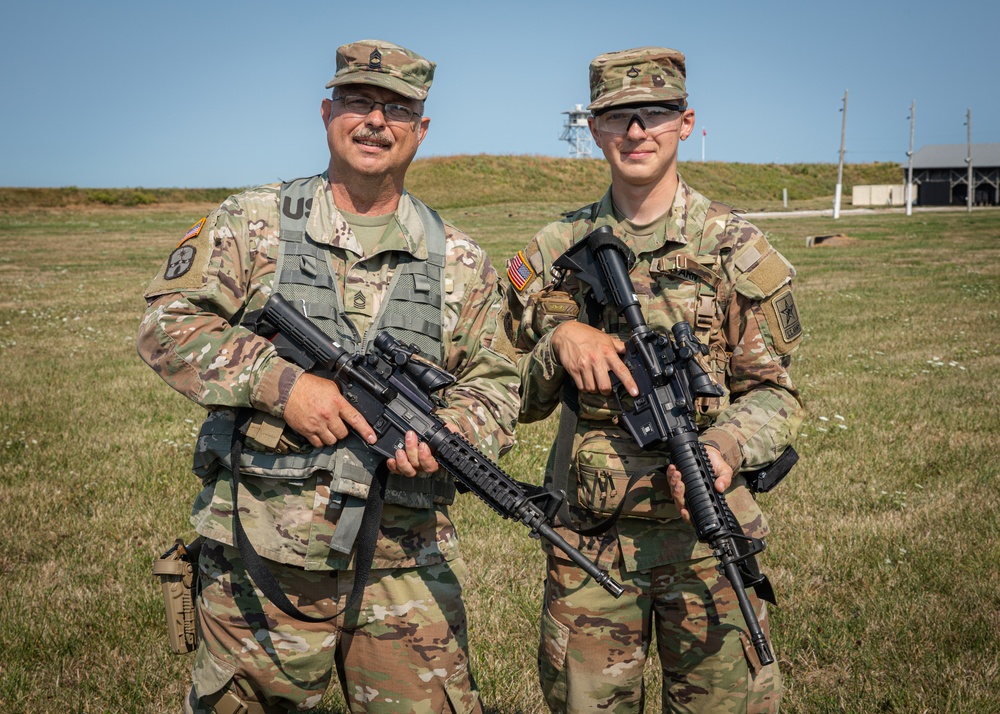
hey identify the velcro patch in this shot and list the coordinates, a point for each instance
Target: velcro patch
(770, 273)
(747, 259)
(519, 271)
(186, 266)
(782, 314)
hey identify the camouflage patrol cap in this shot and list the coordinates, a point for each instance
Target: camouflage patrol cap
(643, 74)
(385, 65)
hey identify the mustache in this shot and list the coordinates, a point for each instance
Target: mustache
(367, 134)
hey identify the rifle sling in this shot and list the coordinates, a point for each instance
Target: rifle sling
(259, 571)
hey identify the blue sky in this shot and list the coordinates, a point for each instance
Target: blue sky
(222, 93)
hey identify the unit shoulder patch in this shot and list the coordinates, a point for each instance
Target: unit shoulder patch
(179, 262)
(184, 268)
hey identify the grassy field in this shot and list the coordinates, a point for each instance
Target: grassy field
(885, 551)
(473, 181)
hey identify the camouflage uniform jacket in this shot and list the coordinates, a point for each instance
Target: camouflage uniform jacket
(191, 337)
(735, 289)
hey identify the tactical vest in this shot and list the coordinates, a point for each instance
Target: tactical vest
(704, 271)
(412, 312)
(604, 457)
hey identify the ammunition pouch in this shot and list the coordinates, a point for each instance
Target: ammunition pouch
(606, 460)
(551, 308)
(177, 570)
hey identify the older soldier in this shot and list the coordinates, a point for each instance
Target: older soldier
(359, 255)
(699, 262)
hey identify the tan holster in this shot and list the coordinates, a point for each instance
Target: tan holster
(177, 570)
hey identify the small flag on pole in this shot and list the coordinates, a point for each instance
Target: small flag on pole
(704, 132)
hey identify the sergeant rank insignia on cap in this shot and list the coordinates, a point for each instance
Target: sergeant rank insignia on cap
(519, 272)
(375, 59)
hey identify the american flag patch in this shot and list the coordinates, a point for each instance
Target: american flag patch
(519, 272)
(193, 231)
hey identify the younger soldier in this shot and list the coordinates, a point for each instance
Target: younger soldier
(696, 261)
(359, 255)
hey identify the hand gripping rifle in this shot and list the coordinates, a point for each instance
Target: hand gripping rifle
(394, 394)
(669, 379)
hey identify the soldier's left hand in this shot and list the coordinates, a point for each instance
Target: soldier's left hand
(415, 457)
(723, 478)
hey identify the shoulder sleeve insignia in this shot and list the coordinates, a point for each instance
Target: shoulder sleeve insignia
(519, 271)
(179, 262)
(193, 231)
(782, 315)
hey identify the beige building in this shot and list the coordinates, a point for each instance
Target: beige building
(880, 195)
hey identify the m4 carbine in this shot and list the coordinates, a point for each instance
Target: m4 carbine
(669, 379)
(395, 394)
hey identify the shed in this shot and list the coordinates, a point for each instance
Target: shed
(941, 174)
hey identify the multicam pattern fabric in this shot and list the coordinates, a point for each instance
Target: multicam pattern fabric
(643, 74)
(188, 338)
(720, 275)
(594, 648)
(383, 64)
(403, 648)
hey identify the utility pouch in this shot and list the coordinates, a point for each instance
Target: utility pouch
(605, 462)
(177, 570)
(269, 434)
(552, 308)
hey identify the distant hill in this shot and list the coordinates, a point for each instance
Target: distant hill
(463, 181)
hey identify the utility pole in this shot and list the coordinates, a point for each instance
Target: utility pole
(909, 170)
(840, 168)
(968, 159)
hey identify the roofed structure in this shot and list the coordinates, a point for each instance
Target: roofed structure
(942, 174)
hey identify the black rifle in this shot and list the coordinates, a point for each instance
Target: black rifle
(669, 379)
(394, 394)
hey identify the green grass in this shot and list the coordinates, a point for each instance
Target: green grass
(885, 551)
(485, 180)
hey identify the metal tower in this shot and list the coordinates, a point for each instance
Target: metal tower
(577, 133)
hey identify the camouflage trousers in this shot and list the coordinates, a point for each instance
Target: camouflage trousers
(593, 647)
(403, 648)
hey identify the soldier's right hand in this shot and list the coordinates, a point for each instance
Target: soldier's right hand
(317, 410)
(588, 355)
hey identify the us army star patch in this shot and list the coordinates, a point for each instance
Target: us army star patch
(788, 316)
(179, 262)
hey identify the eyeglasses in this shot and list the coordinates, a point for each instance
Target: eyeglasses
(652, 119)
(359, 105)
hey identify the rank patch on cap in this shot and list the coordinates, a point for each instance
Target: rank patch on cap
(193, 231)
(519, 272)
(179, 262)
(375, 60)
